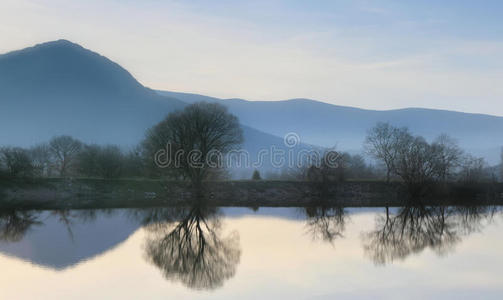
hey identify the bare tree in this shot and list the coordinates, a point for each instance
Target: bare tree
(449, 155)
(381, 144)
(416, 163)
(16, 161)
(64, 149)
(110, 161)
(41, 158)
(501, 166)
(87, 160)
(188, 136)
(473, 169)
(358, 168)
(101, 161)
(134, 165)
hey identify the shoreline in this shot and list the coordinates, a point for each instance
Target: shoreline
(60, 193)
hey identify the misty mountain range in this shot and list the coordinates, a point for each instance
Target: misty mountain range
(328, 125)
(62, 88)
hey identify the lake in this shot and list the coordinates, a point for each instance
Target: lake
(203, 252)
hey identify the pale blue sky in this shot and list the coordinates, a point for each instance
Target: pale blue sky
(370, 54)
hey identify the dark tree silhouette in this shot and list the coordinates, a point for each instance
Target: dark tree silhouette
(189, 136)
(449, 156)
(64, 149)
(191, 250)
(381, 144)
(41, 159)
(16, 162)
(110, 162)
(501, 165)
(256, 175)
(416, 162)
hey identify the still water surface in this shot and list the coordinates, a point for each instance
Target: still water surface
(240, 253)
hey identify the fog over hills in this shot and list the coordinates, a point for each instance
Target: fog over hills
(62, 88)
(327, 125)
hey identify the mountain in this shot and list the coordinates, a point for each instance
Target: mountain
(61, 88)
(328, 125)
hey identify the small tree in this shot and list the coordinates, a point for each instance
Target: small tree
(416, 163)
(101, 161)
(326, 171)
(449, 155)
(134, 165)
(358, 168)
(87, 160)
(110, 162)
(64, 149)
(256, 175)
(16, 161)
(501, 165)
(381, 144)
(40, 156)
(473, 169)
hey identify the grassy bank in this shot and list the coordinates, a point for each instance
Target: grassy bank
(59, 193)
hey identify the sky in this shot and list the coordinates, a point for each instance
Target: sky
(368, 54)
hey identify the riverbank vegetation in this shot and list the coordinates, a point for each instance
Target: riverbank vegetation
(391, 155)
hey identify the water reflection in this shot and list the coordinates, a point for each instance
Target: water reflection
(190, 245)
(187, 245)
(325, 223)
(15, 224)
(59, 239)
(412, 229)
(69, 218)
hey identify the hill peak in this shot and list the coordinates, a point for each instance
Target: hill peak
(58, 43)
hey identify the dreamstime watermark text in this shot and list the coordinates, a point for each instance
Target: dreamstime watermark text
(292, 154)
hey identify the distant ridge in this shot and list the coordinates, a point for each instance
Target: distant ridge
(325, 124)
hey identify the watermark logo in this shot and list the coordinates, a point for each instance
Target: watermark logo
(291, 139)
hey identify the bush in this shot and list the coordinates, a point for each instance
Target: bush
(15, 162)
(256, 175)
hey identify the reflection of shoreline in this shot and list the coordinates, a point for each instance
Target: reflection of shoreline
(412, 229)
(61, 239)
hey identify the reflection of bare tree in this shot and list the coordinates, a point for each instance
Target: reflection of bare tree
(326, 223)
(15, 224)
(471, 218)
(191, 250)
(415, 228)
